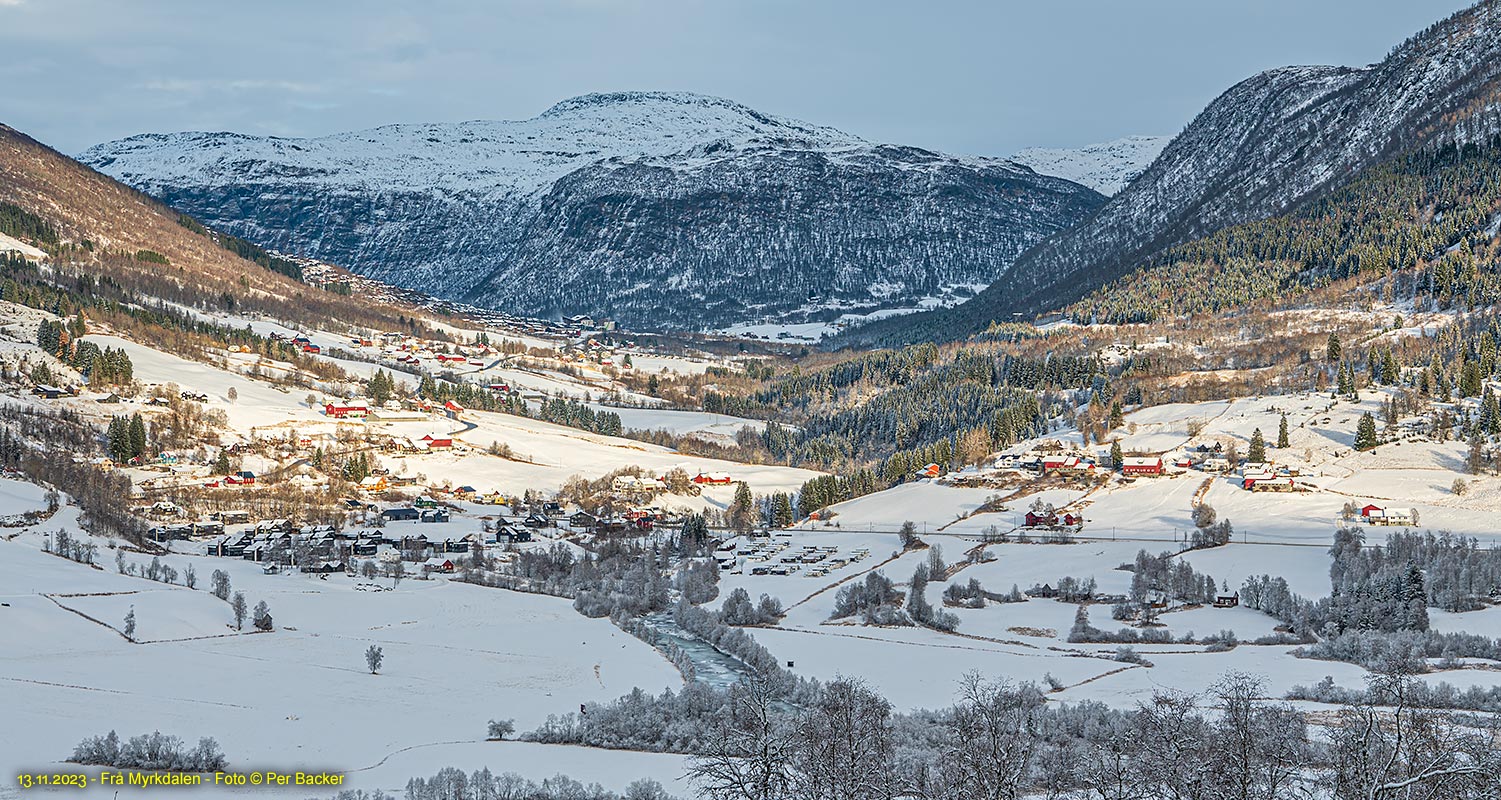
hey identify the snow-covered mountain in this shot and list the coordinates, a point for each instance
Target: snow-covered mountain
(1274, 141)
(656, 209)
(1105, 167)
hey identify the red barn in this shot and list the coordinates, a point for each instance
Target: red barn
(712, 479)
(1142, 465)
(346, 409)
(434, 441)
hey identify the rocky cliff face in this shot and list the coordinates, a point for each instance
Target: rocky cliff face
(659, 210)
(1277, 140)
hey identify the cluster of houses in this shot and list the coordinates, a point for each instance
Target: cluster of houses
(636, 520)
(1205, 458)
(1052, 519)
(324, 548)
(407, 350)
(241, 478)
(594, 351)
(1044, 463)
(636, 484)
(413, 411)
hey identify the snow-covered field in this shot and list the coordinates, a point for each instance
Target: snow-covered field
(456, 656)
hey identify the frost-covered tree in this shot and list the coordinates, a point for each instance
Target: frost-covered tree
(219, 583)
(498, 729)
(261, 617)
(373, 658)
(937, 569)
(907, 535)
(237, 604)
(130, 624)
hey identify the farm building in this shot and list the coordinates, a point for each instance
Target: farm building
(632, 483)
(1142, 465)
(1066, 465)
(1277, 483)
(712, 479)
(1376, 515)
(346, 409)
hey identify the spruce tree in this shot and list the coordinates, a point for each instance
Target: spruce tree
(1332, 350)
(1256, 454)
(1365, 432)
(1282, 433)
(1469, 379)
(741, 510)
(137, 435)
(1116, 456)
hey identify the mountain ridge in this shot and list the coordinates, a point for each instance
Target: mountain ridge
(658, 209)
(1278, 139)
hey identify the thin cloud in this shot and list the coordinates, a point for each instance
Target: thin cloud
(199, 85)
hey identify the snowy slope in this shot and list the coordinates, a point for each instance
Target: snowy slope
(661, 210)
(1105, 167)
(10, 245)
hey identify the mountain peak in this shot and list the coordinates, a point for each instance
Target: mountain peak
(597, 100)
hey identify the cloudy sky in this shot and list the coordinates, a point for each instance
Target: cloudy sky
(986, 77)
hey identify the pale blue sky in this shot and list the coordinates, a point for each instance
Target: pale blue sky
(964, 77)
